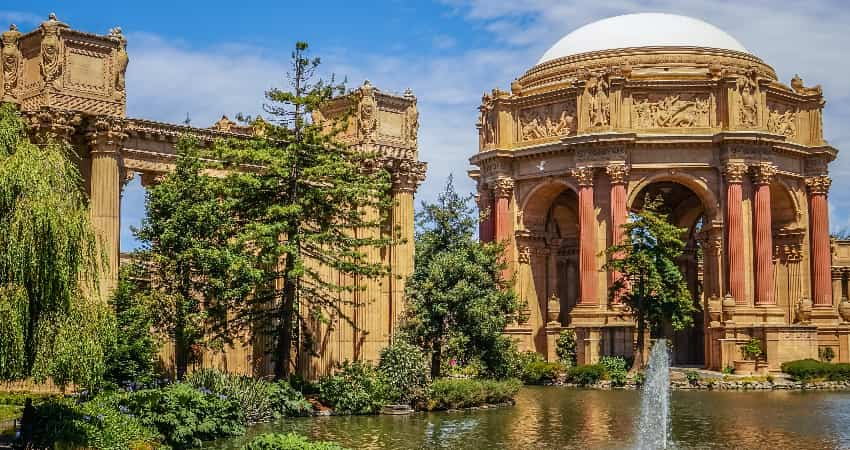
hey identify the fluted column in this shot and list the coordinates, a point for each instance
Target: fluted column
(619, 212)
(735, 231)
(406, 179)
(819, 236)
(587, 236)
(106, 136)
(486, 213)
(503, 190)
(763, 175)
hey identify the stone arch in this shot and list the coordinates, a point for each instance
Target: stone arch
(784, 205)
(535, 204)
(695, 184)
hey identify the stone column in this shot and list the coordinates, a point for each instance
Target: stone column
(619, 210)
(406, 179)
(106, 136)
(735, 231)
(503, 229)
(819, 236)
(587, 236)
(486, 212)
(763, 175)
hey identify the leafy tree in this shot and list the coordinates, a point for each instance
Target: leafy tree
(133, 357)
(187, 244)
(315, 204)
(50, 327)
(650, 282)
(456, 293)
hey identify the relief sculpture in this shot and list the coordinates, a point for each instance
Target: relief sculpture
(368, 112)
(782, 120)
(11, 55)
(599, 111)
(748, 101)
(671, 111)
(486, 130)
(51, 58)
(121, 60)
(548, 121)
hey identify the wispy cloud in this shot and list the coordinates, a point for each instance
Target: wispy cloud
(20, 18)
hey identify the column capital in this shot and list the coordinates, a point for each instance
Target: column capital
(764, 173)
(106, 134)
(735, 172)
(584, 175)
(618, 173)
(503, 187)
(406, 174)
(47, 122)
(819, 184)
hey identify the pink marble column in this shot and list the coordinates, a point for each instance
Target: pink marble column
(735, 231)
(618, 174)
(764, 235)
(819, 235)
(587, 237)
(503, 229)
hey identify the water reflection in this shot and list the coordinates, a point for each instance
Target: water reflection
(561, 418)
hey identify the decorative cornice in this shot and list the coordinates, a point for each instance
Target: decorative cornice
(619, 173)
(584, 175)
(106, 134)
(735, 172)
(819, 184)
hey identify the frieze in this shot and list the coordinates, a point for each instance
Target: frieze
(557, 119)
(671, 111)
(599, 155)
(782, 119)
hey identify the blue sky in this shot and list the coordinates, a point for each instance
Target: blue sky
(210, 58)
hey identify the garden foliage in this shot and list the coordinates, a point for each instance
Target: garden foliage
(615, 369)
(356, 388)
(450, 393)
(405, 370)
(586, 375)
(811, 370)
(290, 441)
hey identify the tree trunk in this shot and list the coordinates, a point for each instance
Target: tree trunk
(283, 352)
(436, 360)
(637, 365)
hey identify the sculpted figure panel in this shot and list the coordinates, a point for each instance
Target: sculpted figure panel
(782, 119)
(598, 103)
(51, 58)
(486, 119)
(11, 55)
(558, 119)
(121, 59)
(748, 100)
(368, 112)
(684, 110)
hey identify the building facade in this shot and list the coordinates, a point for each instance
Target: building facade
(669, 106)
(70, 86)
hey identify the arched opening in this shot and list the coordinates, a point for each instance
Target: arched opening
(687, 211)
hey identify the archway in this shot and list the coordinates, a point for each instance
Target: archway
(686, 210)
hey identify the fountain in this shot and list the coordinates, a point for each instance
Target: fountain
(653, 427)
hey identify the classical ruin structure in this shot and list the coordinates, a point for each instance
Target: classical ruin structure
(70, 86)
(665, 105)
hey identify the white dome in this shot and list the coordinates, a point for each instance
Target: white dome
(642, 30)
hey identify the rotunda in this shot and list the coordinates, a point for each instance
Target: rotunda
(664, 105)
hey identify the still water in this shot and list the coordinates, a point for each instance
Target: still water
(564, 418)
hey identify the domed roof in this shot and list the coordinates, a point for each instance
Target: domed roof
(642, 30)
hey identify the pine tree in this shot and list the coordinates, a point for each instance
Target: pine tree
(312, 203)
(456, 292)
(650, 282)
(51, 327)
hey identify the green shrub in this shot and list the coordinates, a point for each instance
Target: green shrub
(132, 356)
(405, 370)
(357, 388)
(728, 370)
(540, 372)
(99, 423)
(465, 393)
(185, 416)
(260, 400)
(693, 377)
(565, 347)
(810, 369)
(586, 375)
(840, 372)
(751, 350)
(290, 441)
(615, 369)
(826, 354)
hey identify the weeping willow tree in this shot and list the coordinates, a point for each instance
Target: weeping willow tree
(51, 326)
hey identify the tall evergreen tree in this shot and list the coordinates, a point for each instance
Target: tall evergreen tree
(188, 247)
(650, 281)
(50, 326)
(313, 203)
(456, 292)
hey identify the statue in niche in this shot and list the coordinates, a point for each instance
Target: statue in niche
(748, 103)
(121, 59)
(11, 56)
(51, 62)
(599, 111)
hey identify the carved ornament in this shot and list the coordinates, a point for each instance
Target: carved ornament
(618, 173)
(11, 55)
(748, 103)
(367, 112)
(671, 111)
(106, 134)
(798, 87)
(121, 60)
(597, 91)
(735, 172)
(546, 121)
(763, 173)
(406, 175)
(600, 155)
(487, 120)
(46, 123)
(523, 254)
(411, 130)
(819, 184)
(51, 53)
(584, 175)
(782, 120)
(503, 187)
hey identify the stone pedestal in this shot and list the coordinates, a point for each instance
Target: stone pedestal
(553, 330)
